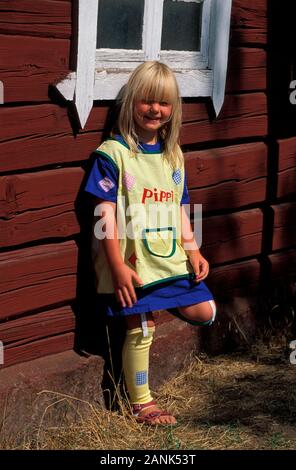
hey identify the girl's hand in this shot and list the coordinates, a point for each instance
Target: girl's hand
(200, 266)
(123, 277)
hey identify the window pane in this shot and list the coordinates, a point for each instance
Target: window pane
(120, 24)
(181, 28)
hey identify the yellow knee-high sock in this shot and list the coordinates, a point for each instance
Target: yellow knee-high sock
(135, 360)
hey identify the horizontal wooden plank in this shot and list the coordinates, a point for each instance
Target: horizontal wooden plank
(242, 36)
(246, 57)
(287, 153)
(241, 116)
(237, 172)
(227, 278)
(231, 237)
(33, 327)
(31, 55)
(244, 106)
(44, 121)
(234, 194)
(36, 206)
(228, 129)
(19, 193)
(283, 264)
(249, 22)
(30, 64)
(207, 167)
(36, 349)
(19, 268)
(250, 15)
(46, 18)
(246, 80)
(37, 277)
(284, 226)
(26, 153)
(286, 182)
(33, 122)
(235, 106)
(57, 221)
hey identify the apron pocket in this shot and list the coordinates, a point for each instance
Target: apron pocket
(160, 241)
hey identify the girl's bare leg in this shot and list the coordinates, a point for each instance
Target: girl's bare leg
(134, 321)
(201, 312)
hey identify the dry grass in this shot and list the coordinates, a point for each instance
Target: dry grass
(243, 400)
(235, 401)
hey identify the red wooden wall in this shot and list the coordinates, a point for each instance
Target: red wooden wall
(42, 165)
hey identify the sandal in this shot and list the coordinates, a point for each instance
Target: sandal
(150, 417)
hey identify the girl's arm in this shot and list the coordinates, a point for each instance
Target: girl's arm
(122, 275)
(198, 262)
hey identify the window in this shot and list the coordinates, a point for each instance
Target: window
(114, 36)
(120, 25)
(131, 31)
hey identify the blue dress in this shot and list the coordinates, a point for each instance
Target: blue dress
(166, 295)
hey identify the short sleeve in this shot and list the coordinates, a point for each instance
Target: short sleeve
(103, 179)
(185, 197)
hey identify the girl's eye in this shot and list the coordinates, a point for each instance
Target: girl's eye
(148, 102)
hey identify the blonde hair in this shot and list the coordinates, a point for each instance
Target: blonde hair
(152, 81)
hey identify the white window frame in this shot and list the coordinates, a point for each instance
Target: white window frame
(101, 73)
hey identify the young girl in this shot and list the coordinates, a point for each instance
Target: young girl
(154, 262)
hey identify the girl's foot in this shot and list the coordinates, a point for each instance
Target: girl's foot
(149, 413)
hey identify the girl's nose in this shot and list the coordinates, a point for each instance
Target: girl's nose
(155, 107)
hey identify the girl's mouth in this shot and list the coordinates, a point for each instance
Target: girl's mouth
(152, 118)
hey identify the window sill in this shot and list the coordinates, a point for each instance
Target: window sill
(108, 83)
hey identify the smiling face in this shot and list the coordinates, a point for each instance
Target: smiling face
(149, 117)
(150, 107)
